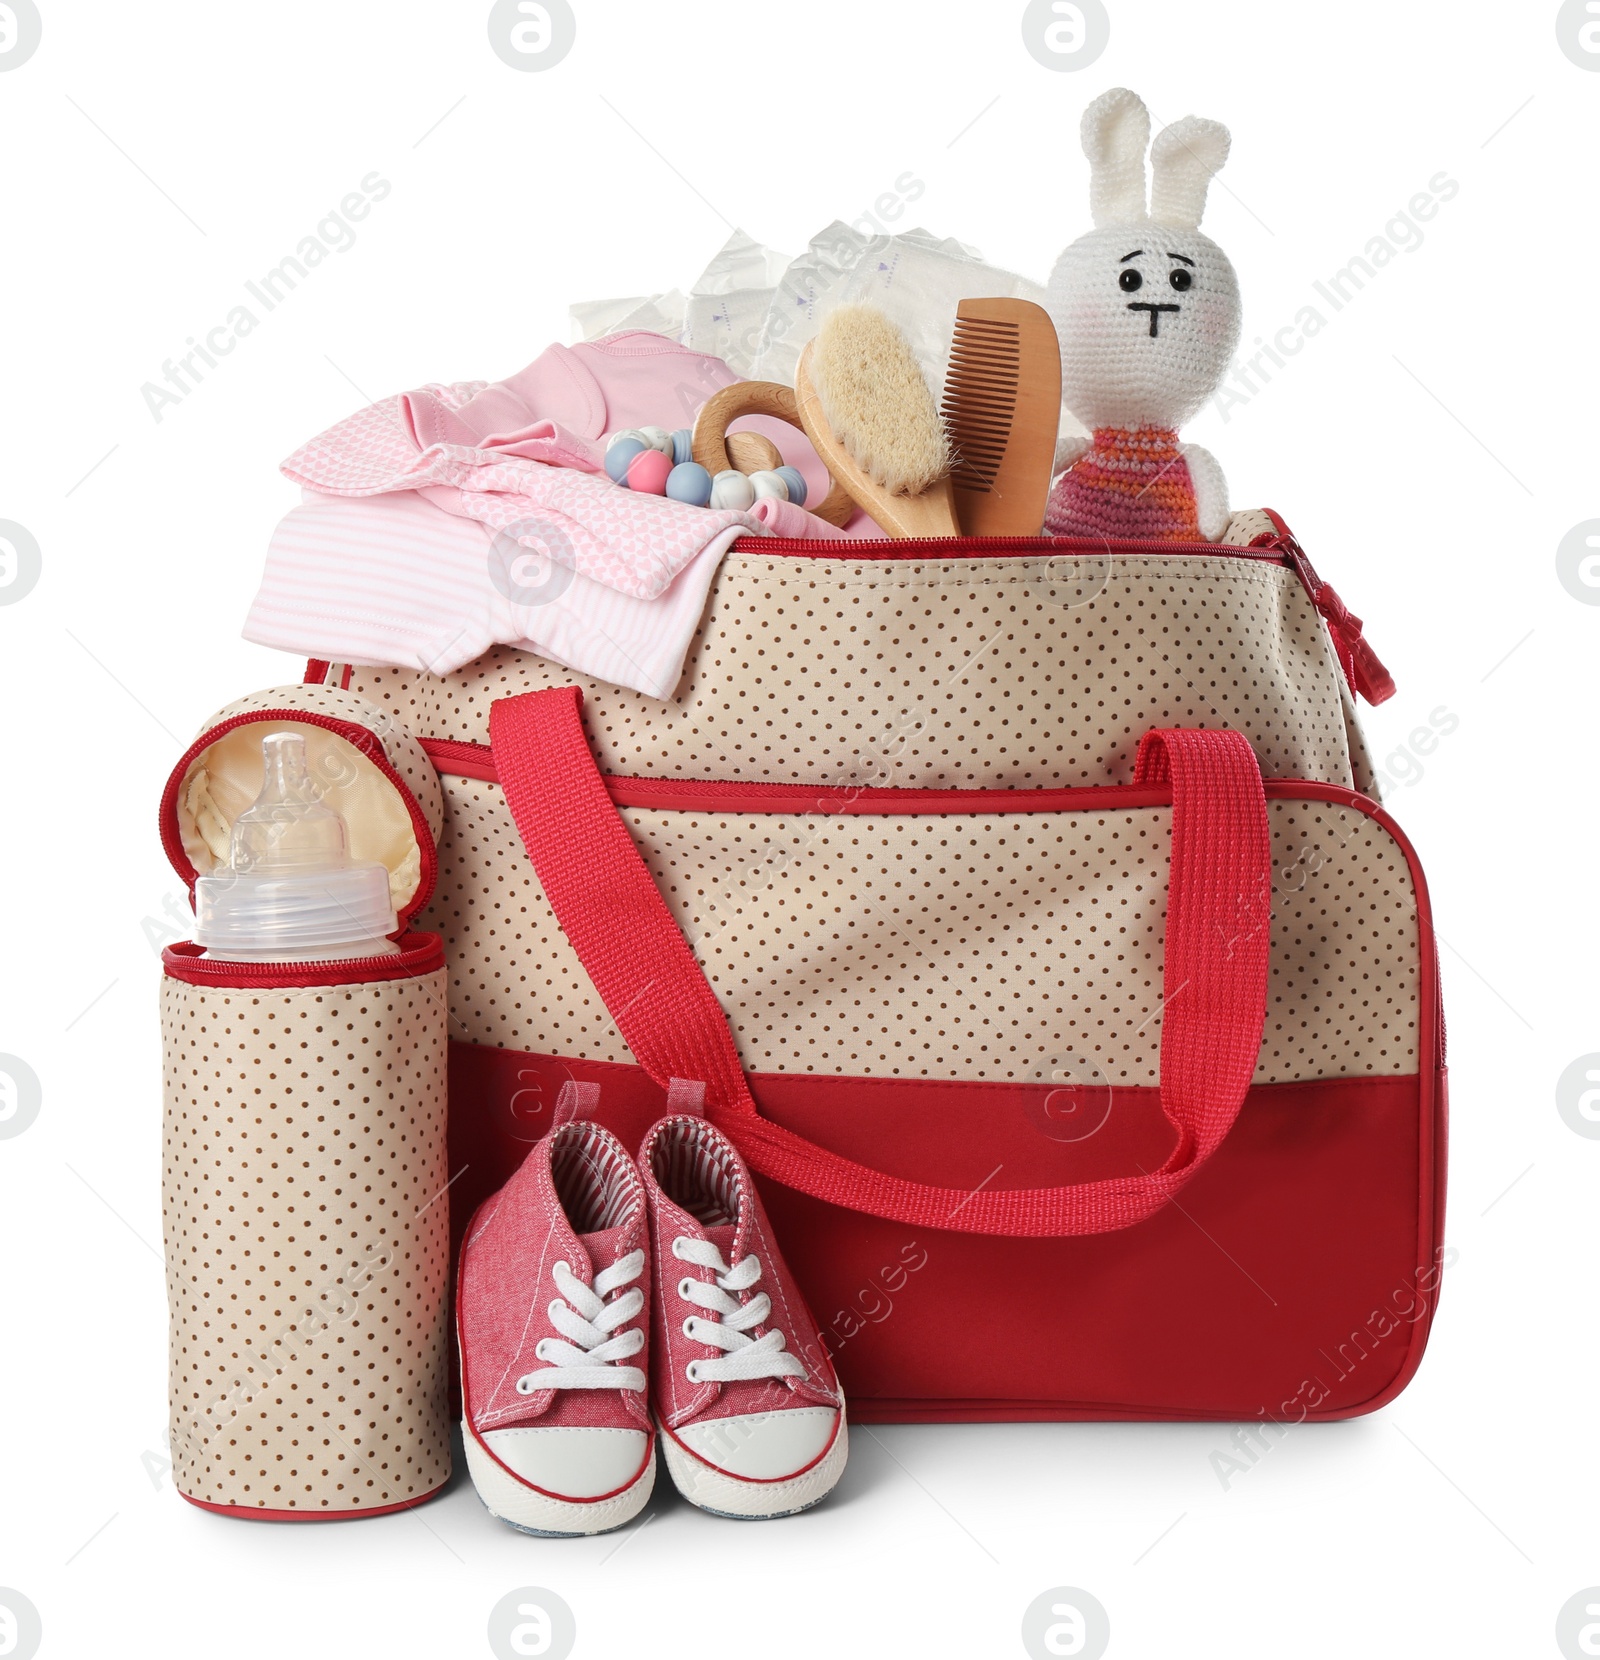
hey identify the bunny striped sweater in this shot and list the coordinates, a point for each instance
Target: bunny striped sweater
(1130, 484)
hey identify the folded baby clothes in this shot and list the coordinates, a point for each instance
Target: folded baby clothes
(523, 457)
(393, 580)
(457, 516)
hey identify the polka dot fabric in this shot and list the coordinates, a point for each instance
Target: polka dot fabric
(977, 946)
(307, 1244)
(1009, 673)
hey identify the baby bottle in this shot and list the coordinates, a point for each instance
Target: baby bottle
(290, 891)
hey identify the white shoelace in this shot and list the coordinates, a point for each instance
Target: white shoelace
(742, 1356)
(593, 1357)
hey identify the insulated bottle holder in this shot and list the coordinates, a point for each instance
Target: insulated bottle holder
(305, 1201)
(307, 1231)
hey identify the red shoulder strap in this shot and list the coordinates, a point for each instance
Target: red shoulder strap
(1214, 975)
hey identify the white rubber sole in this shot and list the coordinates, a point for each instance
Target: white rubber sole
(710, 1489)
(530, 1511)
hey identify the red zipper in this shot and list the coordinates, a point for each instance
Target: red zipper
(418, 954)
(691, 795)
(979, 547)
(1363, 672)
(739, 795)
(461, 758)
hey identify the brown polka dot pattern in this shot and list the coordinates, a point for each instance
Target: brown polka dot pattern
(970, 947)
(1243, 528)
(1361, 767)
(307, 1259)
(1003, 673)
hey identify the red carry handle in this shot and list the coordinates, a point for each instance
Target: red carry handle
(1214, 989)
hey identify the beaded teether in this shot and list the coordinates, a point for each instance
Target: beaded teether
(713, 441)
(656, 462)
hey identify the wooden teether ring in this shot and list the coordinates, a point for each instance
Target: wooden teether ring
(757, 397)
(751, 453)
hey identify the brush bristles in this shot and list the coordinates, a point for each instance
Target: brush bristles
(876, 401)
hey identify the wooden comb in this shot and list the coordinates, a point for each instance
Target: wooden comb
(1002, 410)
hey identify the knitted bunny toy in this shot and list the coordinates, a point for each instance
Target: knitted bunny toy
(1148, 314)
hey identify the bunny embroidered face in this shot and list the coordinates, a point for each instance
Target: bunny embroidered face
(1146, 307)
(1148, 318)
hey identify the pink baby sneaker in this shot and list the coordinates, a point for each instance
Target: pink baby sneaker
(551, 1319)
(751, 1417)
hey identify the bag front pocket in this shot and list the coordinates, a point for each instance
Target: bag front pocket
(1160, 1031)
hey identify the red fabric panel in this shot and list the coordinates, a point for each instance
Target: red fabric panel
(1295, 1275)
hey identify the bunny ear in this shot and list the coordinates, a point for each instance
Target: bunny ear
(1182, 160)
(1115, 131)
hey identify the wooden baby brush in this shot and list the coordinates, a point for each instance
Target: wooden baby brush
(1002, 410)
(871, 418)
(859, 396)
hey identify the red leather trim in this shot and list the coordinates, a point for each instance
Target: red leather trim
(250, 1513)
(515, 1092)
(366, 742)
(418, 954)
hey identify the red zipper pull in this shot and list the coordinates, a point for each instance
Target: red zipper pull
(1363, 671)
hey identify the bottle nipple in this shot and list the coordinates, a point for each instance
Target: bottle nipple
(290, 889)
(286, 826)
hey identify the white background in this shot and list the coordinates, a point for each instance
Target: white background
(1431, 448)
